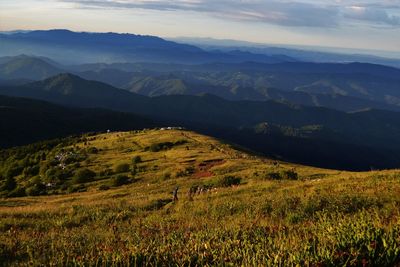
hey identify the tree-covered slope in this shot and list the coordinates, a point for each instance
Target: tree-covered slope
(24, 121)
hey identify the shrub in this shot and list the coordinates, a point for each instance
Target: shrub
(119, 180)
(57, 174)
(31, 171)
(103, 187)
(123, 167)
(35, 190)
(186, 172)
(83, 176)
(273, 176)
(294, 218)
(92, 150)
(78, 188)
(10, 184)
(136, 160)
(157, 204)
(106, 172)
(17, 192)
(32, 191)
(155, 147)
(134, 170)
(13, 171)
(165, 145)
(289, 175)
(166, 176)
(227, 181)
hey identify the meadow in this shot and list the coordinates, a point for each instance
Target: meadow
(112, 206)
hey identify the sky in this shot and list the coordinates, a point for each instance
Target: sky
(357, 24)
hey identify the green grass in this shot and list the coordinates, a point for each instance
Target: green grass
(322, 218)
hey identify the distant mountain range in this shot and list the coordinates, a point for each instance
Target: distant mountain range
(301, 53)
(372, 130)
(83, 47)
(87, 47)
(346, 87)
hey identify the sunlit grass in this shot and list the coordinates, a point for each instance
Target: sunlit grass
(325, 218)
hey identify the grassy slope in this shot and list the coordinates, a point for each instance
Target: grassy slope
(326, 217)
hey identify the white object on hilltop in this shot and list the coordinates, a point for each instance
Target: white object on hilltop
(172, 128)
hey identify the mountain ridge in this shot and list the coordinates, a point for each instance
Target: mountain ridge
(114, 47)
(370, 130)
(348, 91)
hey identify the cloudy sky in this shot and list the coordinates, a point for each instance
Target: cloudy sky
(367, 24)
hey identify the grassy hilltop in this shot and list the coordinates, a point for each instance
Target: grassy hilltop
(106, 199)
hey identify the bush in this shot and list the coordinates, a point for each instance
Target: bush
(186, 172)
(92, 150)
(273, 176)
(165, 145)
(136, 160)
(13, 171)
(10, 184)
(17, 192)
(57, 174)
(103, 187)
(78, 188)
(32, 191)
(166, 176)
(31, 171)
(83, 176)
(134, 170)
(106, 172)
(155, 147)
(123, 167)
(157, 204)
(289, 175)
(227, 181)
(119, 180)
(36, 190)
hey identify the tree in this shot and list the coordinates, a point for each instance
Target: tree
(10, 184)
(83, 176)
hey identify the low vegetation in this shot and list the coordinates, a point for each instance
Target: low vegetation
(114, 206)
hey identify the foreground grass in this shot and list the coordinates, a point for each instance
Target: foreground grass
(324, 218)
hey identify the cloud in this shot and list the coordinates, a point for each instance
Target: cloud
(374, 15)
(304, 13)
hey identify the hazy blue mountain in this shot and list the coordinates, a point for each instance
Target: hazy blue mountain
(358, 87)
(83, 47)
(290, 67)
(26, 67)
(72, 90)
(308, 54)
(346, 87)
